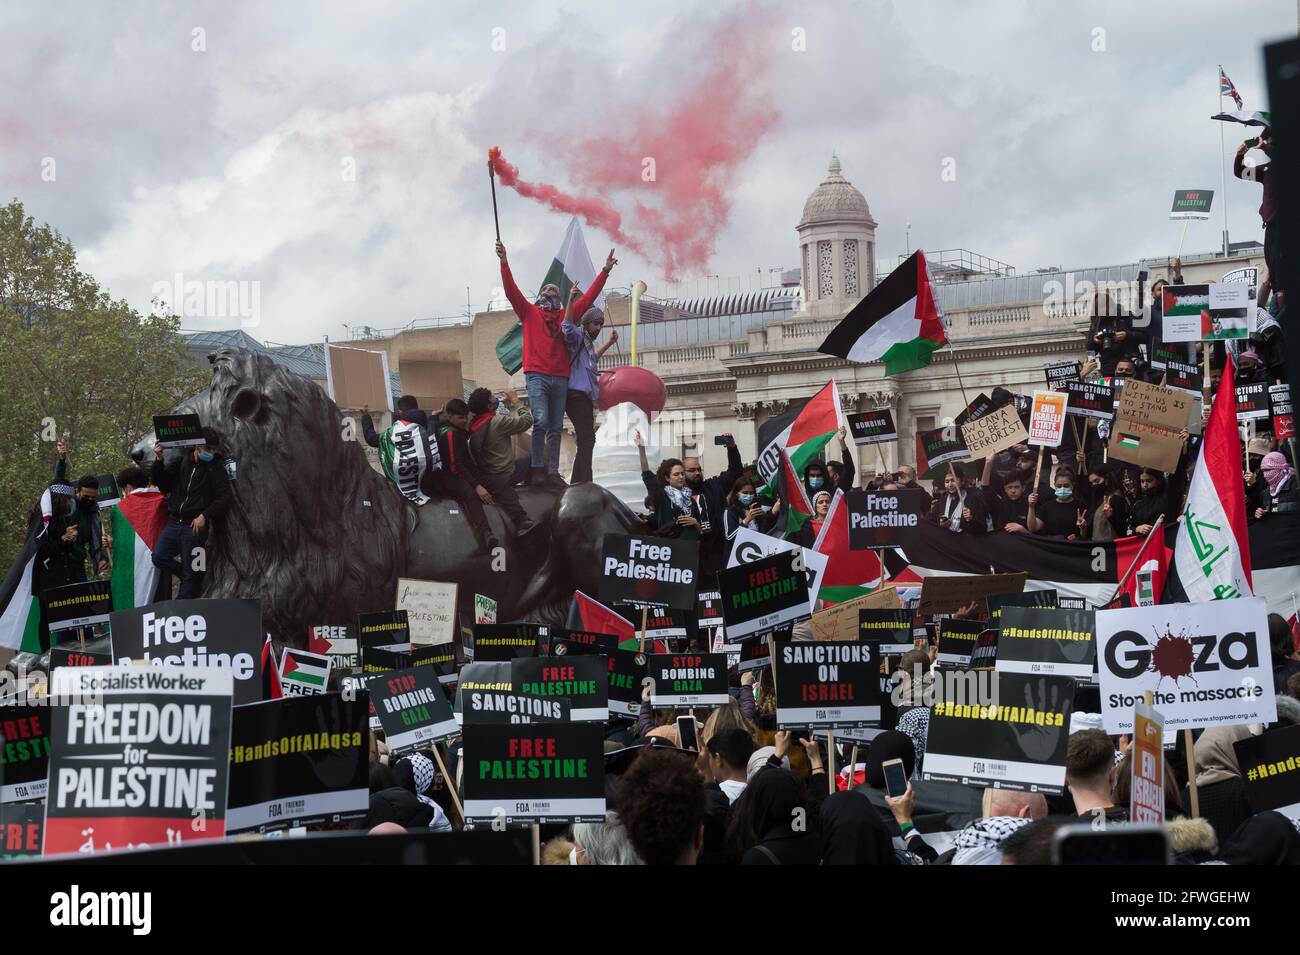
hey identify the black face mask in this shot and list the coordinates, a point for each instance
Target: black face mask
(86, 506)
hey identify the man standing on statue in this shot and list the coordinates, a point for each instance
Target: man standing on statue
(546, 363)
(584, 386)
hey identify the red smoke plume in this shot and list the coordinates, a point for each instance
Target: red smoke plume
(693, 144)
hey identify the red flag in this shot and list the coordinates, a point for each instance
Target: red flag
(270, 673)
(1143, 566)
(593, 616)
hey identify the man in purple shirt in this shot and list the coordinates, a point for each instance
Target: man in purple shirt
(584, 385)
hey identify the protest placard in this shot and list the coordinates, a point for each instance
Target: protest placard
(383, 628)
(299, 762)
(1047, 419)
(1059, 372)
(688, 679)
(943, 593)
(1054, 642)
(841, 622)
(412, 709)
(430, 606)
(1016, 738)
(1279, 399)
(1219, 310)
(762, 596)
(984, 655)
(957, 639)
(540, 773)
(107, 493)
(489, 693)
(878, 518)
(627, 674)
(1270, 766)
(143, 753)
(750, 545)
(178, 430)
(1147, 784)
(936, 449)
(872, 427)
(485, 609)
(977, 409)
(755, 654)
(1207, 663)
(1191, 204)
(303, 673)
(71, 655)
(653, 571)
(21, 829)
(358, 378)
(505, 641)
(583, 642)
(708, 604)
(993, 432)
(1091, 399)
(1026, 598)
(82, 604)
(223, 633)
(386, 659)
(1252, 400)
(24, 751)
(582, 682)
(664, 624)
(1183, 376)
(339, 643)
(891, 628)
(1147, 426)
(827, 685)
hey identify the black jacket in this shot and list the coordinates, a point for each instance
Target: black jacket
(978, 522)
(714, 493)
(194, 488)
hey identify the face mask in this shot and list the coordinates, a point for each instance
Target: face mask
(746, 499)
(86, 505)
(551, 302)
(1063, 492)
(496, 403)
(816, 482)
(206, 455)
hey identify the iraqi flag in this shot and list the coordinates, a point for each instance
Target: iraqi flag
(1212, 551)
(136, 522)
(803, 439)
(899, 322)
(589, 614)
(849, 573)
(20, 619)
(795, 507)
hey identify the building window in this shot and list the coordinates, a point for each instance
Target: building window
(850, 266)
(925, 423)
(825, 270)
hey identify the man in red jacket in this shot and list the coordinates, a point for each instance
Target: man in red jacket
(546, 363)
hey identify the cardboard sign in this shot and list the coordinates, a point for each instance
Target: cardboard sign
(541, 773)
(1059, 372)
(937, 448)
(872, 427)
(1027, 598)
(24, 752)
(1055, 642)
(303, 673)
(21, 829)
(431, 607)
(82, 604)
(627, 674)
(688, 679)
(762, 596)
(1016, 739)
(892, 629)
(337, 643)
(841, 622)
(494, 642)
(957, 639)
(489, 693)
(1047, 419)
(1147, 789)
(1279, 399)
(108, 494)
(71, 655)
(178, 430)
(1207, 664)
(1184, 376)
(827, 685)
(485, 609)
(1192, 204)
(1270, 765)
(382, 628)
(142, 752)
(580, 681)
(412, 709)
(877, 517)
(358, 378)
(941, 593)
(750, 545)
(299, 762)
(653, 571)
(1252, 401)
(1147, 426)
(994, 432)
(1090, 399)
(977, 409)
(224, 633)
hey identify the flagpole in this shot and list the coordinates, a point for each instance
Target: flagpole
(957, 367)
(1223, 167)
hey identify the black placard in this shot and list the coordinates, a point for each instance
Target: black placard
(1252, 400)
(71, 655)
(1054, 642)
(412, 709)
(977, 409)
(581, 681)
(664, 624)
(382, 628)
(754, 654)
(764, 595)
(1090, 399)
(688, 679)
(1026, 598)
(1183, 376)
(985, 654)
(627, 674)
(1270, 766)
(300, 761)
(653, 571)
(440, 656)
(827, 685)
(504, 641)
(223, 633)
(892, 628)
(24, 752)
(22, 825)
(583, 642)
(386, 659)
(1059, 372)
(178, 430)
(107, 495)
(534, 773)
(708, 603)
(878, 518)
(1280, 406)
(957, 639)
(872, 427)
(82, 604)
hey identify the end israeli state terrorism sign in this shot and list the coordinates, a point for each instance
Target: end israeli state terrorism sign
(1206, 664)
(650, 571)
(764, 595)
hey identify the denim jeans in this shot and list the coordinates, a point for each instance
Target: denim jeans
(546, 396)
(178, 541)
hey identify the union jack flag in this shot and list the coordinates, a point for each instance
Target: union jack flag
(1227, 89)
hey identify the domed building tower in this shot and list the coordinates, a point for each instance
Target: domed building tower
(837, 246)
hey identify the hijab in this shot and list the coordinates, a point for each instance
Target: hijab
(853, 832)
(889, 745)
(1276, 471)
(1216, 760)
(1267, 838)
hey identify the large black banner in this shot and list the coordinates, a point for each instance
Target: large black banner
(543, 773)
(828, 685)
(1054, 642)
(654, 571)
(299, 761)
(224, 633)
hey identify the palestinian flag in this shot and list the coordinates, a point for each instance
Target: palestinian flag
(135, 523)
(586, 613)
(1178, 300)
(572, 265)
(899, 322)
(796, 509)
(1130, 441)
(1212, 552)
(803, 439)
(271, 689)
(20, 621)
(849, 573)
(1143, 565)
(303, 673)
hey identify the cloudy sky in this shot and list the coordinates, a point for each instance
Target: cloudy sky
(333, 153)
